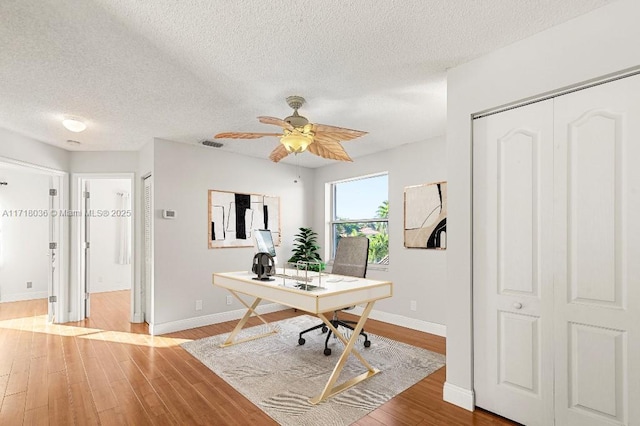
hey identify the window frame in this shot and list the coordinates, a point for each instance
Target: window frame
(333, 221)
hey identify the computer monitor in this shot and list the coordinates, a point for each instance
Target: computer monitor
(264, 242)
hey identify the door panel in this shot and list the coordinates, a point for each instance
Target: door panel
(594, 139)
(519, 357)
(518, 192)
(513, 288)
(604, 348)
(597, 277)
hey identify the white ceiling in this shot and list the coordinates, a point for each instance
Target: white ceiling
(186, 70)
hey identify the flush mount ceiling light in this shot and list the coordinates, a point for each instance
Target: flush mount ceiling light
(74, 125)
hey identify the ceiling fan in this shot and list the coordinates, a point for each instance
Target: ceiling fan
(299, 135)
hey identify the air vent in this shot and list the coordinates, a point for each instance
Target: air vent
(212, 144)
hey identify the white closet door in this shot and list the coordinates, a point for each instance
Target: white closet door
(512, 248)
(597, 262)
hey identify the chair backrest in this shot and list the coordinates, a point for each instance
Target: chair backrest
(352, 256)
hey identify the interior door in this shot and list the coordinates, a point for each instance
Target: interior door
(512, 248)
(597, 270)
(54, 245)
(86, 246)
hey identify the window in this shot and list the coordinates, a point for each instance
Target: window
(361, 207)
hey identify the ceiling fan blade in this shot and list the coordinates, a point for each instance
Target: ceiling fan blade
(241, 135)
(275, 121)
(279, 153)
(327, 148)
(337, 133)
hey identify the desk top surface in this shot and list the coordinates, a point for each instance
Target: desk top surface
(324, 285)
(330, 292)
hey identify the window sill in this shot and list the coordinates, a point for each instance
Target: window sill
(374, 267)
(370, 267)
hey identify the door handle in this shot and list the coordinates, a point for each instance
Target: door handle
(517, 305)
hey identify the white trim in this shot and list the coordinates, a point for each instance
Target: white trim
(138, 317)
(402, 321)
(461, 397)
(17, 297)
(188, 323)
(17, 164)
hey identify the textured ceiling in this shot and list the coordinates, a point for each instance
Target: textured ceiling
(186, 70)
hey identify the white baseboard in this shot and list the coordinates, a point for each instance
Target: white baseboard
(402, 321)
(461, 397)
(17, 297)
(138, 318)
(185, 324)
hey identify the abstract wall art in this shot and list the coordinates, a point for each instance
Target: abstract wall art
(425, 216)
(233, 216)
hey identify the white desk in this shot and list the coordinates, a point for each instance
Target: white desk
(347, 291)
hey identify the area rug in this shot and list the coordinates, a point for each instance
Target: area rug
(279, 376)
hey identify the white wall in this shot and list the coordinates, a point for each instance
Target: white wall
(107, 273)
(22, 148)
(103, 161)
(416, 274)
(24, 239)
(183, 263)
(593, 45)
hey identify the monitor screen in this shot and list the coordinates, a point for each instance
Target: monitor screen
(264, 242)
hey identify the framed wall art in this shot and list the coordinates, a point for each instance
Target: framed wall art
(425, 216)
(233, 216)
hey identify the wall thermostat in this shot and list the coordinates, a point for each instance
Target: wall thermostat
(169, 214)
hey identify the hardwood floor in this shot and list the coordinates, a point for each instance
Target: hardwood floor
(107, 371)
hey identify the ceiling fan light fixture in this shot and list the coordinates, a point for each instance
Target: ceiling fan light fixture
(296, 142)
(74, 125)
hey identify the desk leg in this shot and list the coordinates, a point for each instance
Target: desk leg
(251, 310)
(330, 388)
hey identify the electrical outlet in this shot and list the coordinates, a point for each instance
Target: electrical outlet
(29, 284)
(198, 305)
(229, 300)
(413, 305)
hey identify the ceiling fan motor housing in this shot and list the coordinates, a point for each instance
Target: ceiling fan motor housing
(296, 120)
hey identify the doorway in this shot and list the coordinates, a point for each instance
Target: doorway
(105, 246)
(31, 235)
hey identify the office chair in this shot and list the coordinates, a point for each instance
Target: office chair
(351, 259)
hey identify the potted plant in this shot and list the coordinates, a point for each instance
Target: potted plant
(306, 249)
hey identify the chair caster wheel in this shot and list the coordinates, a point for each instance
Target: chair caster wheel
(367, 343)
(301, 341)
(325, 329)
(327, 351)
